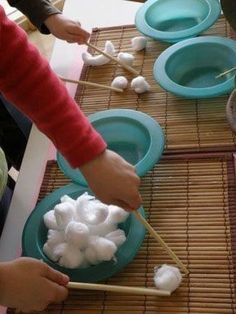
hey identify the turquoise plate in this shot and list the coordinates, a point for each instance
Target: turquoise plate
(175, 20)
(134, 135)
(190, 67)
(35, 235)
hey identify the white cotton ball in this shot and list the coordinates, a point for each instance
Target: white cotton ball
(55, 237)
(91, 256)
(102, 229)
(167, 277)
(64, 213)
(77, 234)
(99, 59)
(49, 252)
(139, 43)
(104, 249)
(91, 212)
(126, 58)
(71, 257)
(116, 214)
(50, 220)
(120, 82)
(54, 252)
(68, 199)
(140, 85)
(118, 237)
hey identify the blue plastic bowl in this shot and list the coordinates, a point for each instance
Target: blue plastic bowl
(35, 235)
(189, 68)
(175, 20)
(134, 135)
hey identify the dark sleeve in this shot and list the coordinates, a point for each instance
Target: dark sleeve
(37, 11)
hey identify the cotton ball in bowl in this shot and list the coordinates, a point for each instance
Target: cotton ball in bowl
(140, 85)
(77, 234)
(50, 220)
(70, 256)
(64, 213)
(139, 43)
(100, 249)
(120, 82)
(167, 277)
(93, 212)
(126, 58)
(116, 214)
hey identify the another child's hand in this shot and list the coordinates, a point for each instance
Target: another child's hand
(113, 180)
(31, 285)
(66, 29)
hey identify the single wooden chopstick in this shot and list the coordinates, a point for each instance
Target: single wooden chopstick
(119, 90)
(122, 289)
(125, 66)
(160, 240)
(226, 72)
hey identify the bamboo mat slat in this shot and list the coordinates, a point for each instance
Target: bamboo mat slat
(189, 125)
(190, 201)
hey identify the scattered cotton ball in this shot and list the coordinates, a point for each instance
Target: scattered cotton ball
(77, 234)
(116, 214)
(50, 220)
(71, 257)
(167, 277)
(139, 43)
(64, 213)
(99, 59)
(120, 82)
(140, 85)
(118, 237)
(126, 58)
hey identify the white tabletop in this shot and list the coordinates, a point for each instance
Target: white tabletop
(66, 61)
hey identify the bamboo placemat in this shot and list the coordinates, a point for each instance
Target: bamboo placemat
(189, 125)
(190, 200)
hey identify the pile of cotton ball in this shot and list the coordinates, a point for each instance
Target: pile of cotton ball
(83, 232)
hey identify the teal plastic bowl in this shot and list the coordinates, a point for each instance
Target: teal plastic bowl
(134, 135)
(35, 235)
(175, 20)
(189, 68)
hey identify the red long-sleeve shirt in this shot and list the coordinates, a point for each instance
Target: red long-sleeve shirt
(28, 82)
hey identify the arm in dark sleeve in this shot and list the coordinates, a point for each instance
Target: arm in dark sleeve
(37, 11)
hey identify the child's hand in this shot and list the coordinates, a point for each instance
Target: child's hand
(113, 180)
(66, 29)
(31, 285)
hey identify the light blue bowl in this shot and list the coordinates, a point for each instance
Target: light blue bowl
(189, 68)
(175, 20)
(134, 135)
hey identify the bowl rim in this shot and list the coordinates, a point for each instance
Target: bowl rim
(141, 24)
(229, 110)
(151, 157)
(101, 271)
(166, 83)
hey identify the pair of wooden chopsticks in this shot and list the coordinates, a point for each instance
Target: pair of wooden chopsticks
(226, 72)
(134, 290)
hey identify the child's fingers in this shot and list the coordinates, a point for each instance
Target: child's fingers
(56, 276)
